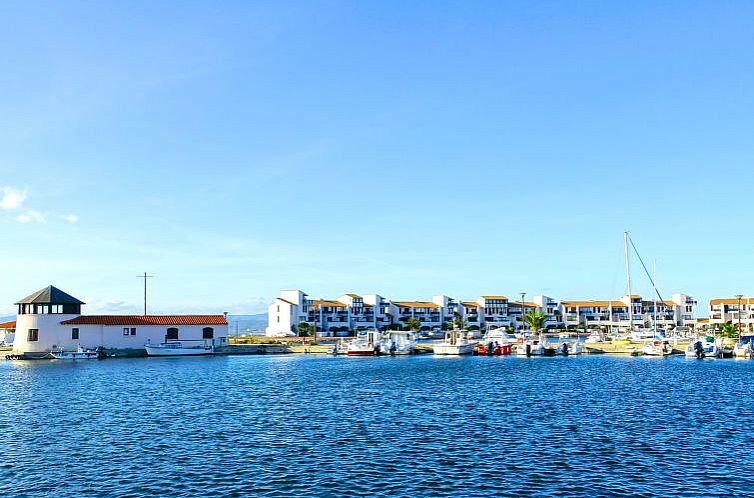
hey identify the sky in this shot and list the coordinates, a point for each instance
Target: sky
(234, 149)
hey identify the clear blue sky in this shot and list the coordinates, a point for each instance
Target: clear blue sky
(406, 148)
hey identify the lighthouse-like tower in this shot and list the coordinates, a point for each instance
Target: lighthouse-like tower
(38, 326)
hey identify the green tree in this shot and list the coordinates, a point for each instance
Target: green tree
(535, 319)
(304, 329)
(414, 324)
(459, 323)
(728, 330)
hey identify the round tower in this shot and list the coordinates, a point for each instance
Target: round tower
(38, 327)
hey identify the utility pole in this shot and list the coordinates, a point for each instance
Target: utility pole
(145, 277)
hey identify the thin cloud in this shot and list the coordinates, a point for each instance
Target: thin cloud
(31, 217)
(70, 218)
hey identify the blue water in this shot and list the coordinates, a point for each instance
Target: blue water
(325, 426)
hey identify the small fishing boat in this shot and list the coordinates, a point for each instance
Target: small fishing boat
(398, 342)
(340, 347)
(79, 354)
(745, 347)
(179, 348)
(657, 347)
(534, 346)
(365, 344)
(569, 348)
(455, 343)
(496, 342)
(702, 347)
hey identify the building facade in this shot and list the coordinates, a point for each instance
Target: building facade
(51, 320)
(726, 310)
(352, 312)
(676, 312)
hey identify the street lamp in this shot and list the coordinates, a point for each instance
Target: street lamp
(523, 298)
(739, 296)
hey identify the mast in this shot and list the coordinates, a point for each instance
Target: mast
(628, 277)
(654, 285)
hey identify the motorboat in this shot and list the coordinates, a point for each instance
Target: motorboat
(745, 347)
(367, 343)
(180, 348)
(594, 338)
(398, 342)
(569, 348)
(657, 347)
(340, 347)
(79, 354)
(496, 342)
(703, 347)
(534, 346)
(456, 342)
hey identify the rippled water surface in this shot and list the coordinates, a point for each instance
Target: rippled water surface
(324, 426)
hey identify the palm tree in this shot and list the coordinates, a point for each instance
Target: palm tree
(728, 330)
(535, 319)
(414, 324)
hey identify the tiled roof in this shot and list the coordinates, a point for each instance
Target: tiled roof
(285, 301)
(526, 304)
(731, 300)
(415, 304)
(353, 295)
(602, 304)
(8, 325)
(328, 302)
(147, 320)
(470, 304)
(495, 297)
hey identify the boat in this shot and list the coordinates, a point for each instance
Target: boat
(398, 342)
(595, 338)
(534, 346)
(340, 347)
(569, 348)
(745, 347)
(180, 348)
(657, 347)
(455, 343)
(703, 347)
(79, 354)
(366, 343)
(495, 342)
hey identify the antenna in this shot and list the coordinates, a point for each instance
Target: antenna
(145, 277)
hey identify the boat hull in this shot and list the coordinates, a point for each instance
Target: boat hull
(452, 349)
(360, 352)
(156, 351)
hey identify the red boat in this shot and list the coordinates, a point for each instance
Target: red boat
(497, 350)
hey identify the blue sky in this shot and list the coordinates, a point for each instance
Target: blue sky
(405, 148)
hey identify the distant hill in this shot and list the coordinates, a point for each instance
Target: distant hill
(247, 324)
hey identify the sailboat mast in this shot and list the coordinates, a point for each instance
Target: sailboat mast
(654, 285)
(628, 277)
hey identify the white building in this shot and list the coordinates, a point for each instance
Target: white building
(726, 310)
(677, 311)
(352, 312)
(51, 320)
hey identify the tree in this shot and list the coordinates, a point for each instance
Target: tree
(413, 324)
(728, 330)
(535, 319)
(304, 329)
(459, 324)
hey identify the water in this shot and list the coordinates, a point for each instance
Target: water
(324, 426)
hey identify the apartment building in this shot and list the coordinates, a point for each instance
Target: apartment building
(726, 310)
(675, 312)
(352, 312)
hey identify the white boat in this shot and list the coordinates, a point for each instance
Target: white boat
(340, 347)
(533, 346)
(745, 347)
(569, 348)
(398, 342)
(657, 347)
(594, 338)
(366, 343)
(179, 348)
(79, 354)
(703, 347)
(455, 343)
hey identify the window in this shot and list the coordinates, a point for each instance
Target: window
(33, 335)
(125, 330)
(208, 333)
(133, 330)
(172, 333)
(75, 334)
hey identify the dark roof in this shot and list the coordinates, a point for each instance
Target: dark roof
(147, 320)
(49, 295)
